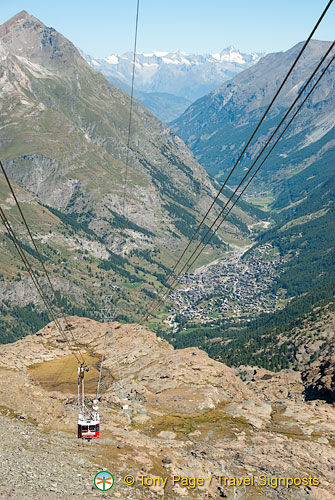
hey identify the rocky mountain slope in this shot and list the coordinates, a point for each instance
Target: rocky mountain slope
(63, 139)
(292, 337)
(190, 416)
(216, 126)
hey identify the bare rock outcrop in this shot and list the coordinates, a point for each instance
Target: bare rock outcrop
(319, 380)
(191, 416)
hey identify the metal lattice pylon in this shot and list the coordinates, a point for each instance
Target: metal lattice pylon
(108, 314)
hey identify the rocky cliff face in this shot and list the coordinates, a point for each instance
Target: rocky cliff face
(190, 416)
(319, 380)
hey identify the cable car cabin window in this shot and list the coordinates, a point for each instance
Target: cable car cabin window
(84, 428)
(97, 427)
(92, 428)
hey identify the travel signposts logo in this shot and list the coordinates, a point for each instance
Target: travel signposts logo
(104, 481)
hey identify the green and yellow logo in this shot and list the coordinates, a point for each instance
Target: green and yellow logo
(104, 480)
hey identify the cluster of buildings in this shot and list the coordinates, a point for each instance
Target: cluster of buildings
(237, 286)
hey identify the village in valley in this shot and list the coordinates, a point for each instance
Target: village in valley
(237, 286)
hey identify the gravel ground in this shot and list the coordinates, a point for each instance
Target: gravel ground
(38, 465)
(50, 466)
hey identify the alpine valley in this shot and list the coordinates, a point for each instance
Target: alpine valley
(296, 186)
(228, 390)
(63, 140)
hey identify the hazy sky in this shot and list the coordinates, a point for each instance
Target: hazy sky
(102, 27)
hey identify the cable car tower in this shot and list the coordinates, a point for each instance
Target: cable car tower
(108, 314)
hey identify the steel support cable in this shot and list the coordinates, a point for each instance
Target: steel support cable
(120, 382)
(122, 392)
(32, 274)
(107, 313)
(131, 109)
(37, 252)
(34, 278)
(268, 154)
(242, 153)
(23, 257)
(102, 360)
(187, 265)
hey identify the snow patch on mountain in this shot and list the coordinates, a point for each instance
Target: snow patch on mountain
(112, 59)
(230, 54)
(155, 53)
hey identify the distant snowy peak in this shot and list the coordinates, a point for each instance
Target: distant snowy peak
(185, 75)
(230, 54)
(112, 59)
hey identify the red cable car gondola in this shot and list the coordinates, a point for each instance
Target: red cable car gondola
(88, 419)
(88, 428)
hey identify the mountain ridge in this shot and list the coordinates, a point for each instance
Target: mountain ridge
(153, 70)
(215, 126)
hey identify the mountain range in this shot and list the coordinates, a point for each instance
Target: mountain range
(168, 82)
(63, 139)
(167, 411)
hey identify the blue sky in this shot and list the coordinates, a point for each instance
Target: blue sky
(103, 27)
